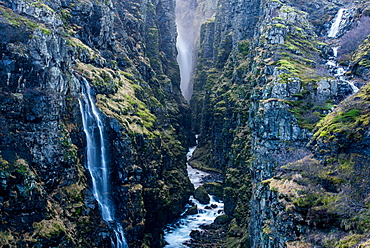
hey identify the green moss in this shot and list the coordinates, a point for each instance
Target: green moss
(365, 63)
(214, 188)
(306, 112)
(46, 31)
(348, 120)
(222, 219)
(41, 5)
(237, 235)
(244, 47)
(7, 239)
(310, 199)
(280, 25)
(363, 221)
(49, 228)
(348, 116)
(349, 241)
(122, 102)
(4, 165)
(17, 20)
(361, 52)
(324, 133)
(66, 15)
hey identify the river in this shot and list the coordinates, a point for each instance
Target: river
(177, 235)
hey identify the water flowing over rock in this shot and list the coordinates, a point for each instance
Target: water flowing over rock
(97, 162)
(280, 101)
(196, 214)
(334, 29)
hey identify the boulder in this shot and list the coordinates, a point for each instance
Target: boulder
(201, 195)
(222, 219)
(214, 188)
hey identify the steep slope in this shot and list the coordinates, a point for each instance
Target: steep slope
(127, 52)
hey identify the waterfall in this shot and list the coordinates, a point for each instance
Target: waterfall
(334, 29)
(96, 162)
(185, 61)
(184, 45)
(337, 70)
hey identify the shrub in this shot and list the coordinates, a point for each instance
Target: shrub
(353, 38)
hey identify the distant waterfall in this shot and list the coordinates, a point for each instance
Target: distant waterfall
(185, 45)
(334, 29)
(337, 70)
(97, 162)
(185, 61)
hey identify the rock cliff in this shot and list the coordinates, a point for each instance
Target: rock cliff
(261, 87)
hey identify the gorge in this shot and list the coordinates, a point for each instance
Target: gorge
(98, 108)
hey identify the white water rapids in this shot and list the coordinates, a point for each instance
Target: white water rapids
(97, 162)
(179, 232)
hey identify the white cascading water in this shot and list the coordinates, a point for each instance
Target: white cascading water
(97, 162)
(334, 29)
(184, 45)
(179, 232)
(337, 70)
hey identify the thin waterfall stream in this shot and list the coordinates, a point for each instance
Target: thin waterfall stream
(97, 162)
(335, 69)
(335, 27)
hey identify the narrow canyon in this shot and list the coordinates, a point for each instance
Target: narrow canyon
(185, 123)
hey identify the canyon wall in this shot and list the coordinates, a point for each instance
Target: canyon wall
(268, 111)
(126, 50)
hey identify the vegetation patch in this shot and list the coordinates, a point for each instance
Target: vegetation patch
(49, 228)
(17, 20)
(332, 198)
(349, 120)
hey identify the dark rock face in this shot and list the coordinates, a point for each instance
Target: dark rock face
(259, 94)
(46, 48)
(201, 195)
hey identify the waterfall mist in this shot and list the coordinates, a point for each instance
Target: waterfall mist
(185, 11)
(334, 29)
(190, 15)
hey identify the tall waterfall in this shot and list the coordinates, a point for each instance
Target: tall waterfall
(334, 29)
(184, 45)
(97, 162)
(337, 70)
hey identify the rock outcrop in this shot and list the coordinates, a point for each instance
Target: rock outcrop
(260, 89)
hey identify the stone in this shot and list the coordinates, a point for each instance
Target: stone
(191, 211)
(214, 188)
(222, 219)
(201, 195)
(195, 234)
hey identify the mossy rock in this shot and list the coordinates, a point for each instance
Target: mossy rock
(214, 188)
(192, 210)
(201, 195)
(222, 219)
